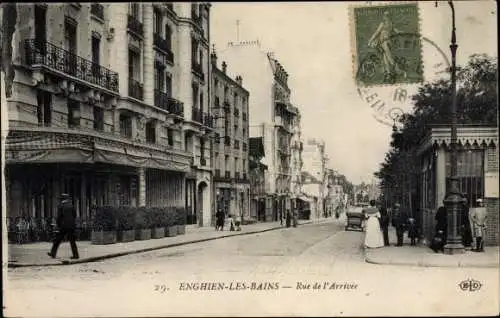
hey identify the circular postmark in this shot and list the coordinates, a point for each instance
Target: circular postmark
(383, 77)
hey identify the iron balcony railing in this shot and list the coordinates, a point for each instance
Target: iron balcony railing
(163, 101)
(198, 70)
(135, 25)
(135, 89)
(97, 10)
(59, 59)
(164, 45)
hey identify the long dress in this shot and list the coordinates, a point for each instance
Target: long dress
(373, 235)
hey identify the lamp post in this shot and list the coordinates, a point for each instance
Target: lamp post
(454, 198)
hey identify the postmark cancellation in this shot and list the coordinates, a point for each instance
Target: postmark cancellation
(386, 44)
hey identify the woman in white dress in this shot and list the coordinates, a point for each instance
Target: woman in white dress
(373, 233)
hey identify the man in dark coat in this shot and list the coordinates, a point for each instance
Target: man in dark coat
(384, 224)
(399, 219)
(465, 226)
(442, 222)
(66, 224)
(219, 222)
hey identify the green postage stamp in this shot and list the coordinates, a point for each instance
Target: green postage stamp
(386, 44)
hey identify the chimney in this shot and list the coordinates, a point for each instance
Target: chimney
(239, 80)
(224, 67)
(213, 57)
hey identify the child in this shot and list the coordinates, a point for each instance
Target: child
(237, 223)
(231, 223)
(412, 230)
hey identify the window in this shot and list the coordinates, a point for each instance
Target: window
(170, 137)
(44, 110)
(470, 172)
(96, 54)
(70, 37)
(201, 101)
(195, 96)
(235, 129)
(151, 132)
(159, 79)
(235, 98)
(168, 36)
(202, 150)
(126, 125)
(244, 132)
(244, 168)
(157, 22)
(226, 93)
(168, 82)
(134, 61)
(226, 127)
(98, 118)
(134, 10)
(40, 27)
(194, 50)
(73, 113)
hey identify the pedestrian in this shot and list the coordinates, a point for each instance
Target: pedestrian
(237, 223)
(412, 230)
(231, 223)
(478, 218)
(438, 242)
(399, 219)
(373, 235)
(384, 224)
(465, 225)
(288, 218)
(66, 224)
(219, 220)
(442, 222)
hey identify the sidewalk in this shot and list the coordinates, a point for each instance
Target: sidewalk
(35, 254)
(423, 256)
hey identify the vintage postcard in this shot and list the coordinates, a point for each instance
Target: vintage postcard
(249, 159)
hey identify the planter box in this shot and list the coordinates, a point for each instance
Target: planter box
(171, 231)
(181, 229)
(103, 237)
(143, 234)
(126, 236)
(158, 232)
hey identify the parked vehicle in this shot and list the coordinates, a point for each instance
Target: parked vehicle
(355, 218)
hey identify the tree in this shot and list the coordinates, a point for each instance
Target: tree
(476, 104)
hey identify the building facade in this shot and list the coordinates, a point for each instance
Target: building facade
(315, 159)
(257, 176)
(109, 106)
(296, 161)
(477, 171)
(230, 105)
(273, 118)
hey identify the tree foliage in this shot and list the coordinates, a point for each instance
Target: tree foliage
(476, 104)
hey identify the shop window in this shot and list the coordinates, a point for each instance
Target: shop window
(470, 172)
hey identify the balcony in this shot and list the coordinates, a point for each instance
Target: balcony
(39, 53)
(97, 10)
(171, 105)
(164, 45)
(134, 25)
(197, 69)
(135, 89)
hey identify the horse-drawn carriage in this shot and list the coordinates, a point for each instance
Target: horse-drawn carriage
(355, 218)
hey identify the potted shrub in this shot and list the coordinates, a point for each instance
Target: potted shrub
(170, 227)
(181, 221)
(104, 226)
(142, 224)
(158, 223)
(126, 224)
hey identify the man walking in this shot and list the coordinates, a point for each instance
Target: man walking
(399, 220)
(478, 218)
(66, 224)
(384, 224)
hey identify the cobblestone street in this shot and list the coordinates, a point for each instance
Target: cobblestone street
(266, 270)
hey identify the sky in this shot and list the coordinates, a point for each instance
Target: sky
(312, 40)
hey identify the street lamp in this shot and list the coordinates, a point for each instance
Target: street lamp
(454, 198)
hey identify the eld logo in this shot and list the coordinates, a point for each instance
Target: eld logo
(470, 285)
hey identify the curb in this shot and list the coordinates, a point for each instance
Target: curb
(421, 263)
(148, 249)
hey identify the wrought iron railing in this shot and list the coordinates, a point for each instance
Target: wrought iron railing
(59, 59)
(135, 25)
(97, 10)
(135, 89)
(169, 104)
(164, 45)
(198, 69)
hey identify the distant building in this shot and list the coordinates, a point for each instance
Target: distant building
(314, 173)
(257, 176)
(273, 117)
(230, 106)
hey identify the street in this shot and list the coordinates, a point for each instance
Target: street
(315, 269)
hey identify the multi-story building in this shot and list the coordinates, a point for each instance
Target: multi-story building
(273, 118)
(109, 106)
(231, 145)
(257, 174)
(296, 162)
(314, 173)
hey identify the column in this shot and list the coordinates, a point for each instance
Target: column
(142, 186)
(149, 57)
